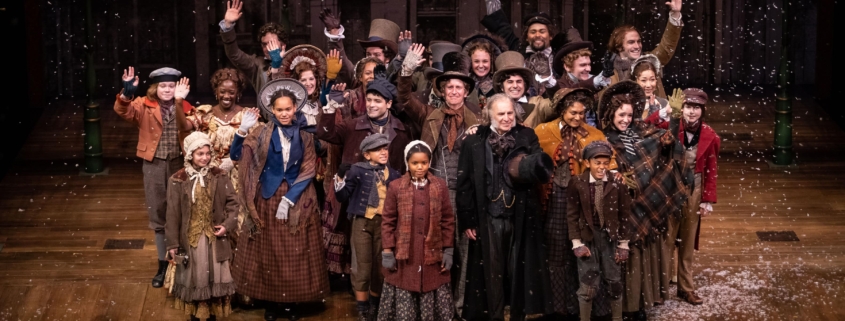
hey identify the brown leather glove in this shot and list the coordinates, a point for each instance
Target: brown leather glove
(330, 20)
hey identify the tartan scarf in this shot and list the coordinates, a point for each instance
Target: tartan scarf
(456, 120)
(661, 175)
(433, 247)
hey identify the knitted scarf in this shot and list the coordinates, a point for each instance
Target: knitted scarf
(570, 136)
(456, 121)
(433, 245)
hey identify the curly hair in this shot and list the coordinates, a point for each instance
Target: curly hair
(616, 102)
(576, 97)
(224, 74)
(617, 37)
(485, 46)
(570, 58)
(303, 67)
(274, 28)
(359, 68)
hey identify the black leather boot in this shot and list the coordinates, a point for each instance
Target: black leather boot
(158, 280)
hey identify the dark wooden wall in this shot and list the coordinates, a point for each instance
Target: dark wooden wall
(723, 42)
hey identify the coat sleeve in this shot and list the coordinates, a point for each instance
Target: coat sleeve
(412, 106)
(665, 50)
(129, 110)
(465, 198)
(330, 131)
(242, 61)
(347, 69)
(573, 209)
(447, 218)
(173, 226)
(497, 23)
(351, 182)
(232, 205)
(237, 148)
(655, 120)
(710, 172)
(389, 217)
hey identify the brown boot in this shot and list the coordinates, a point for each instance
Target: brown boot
(690, 297)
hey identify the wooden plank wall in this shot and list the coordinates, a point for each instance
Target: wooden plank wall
(723, 42)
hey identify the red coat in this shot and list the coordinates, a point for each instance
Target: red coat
(706, 157)
(413, 274)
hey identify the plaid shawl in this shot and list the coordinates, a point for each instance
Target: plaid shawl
(433, 246)
(662, 174)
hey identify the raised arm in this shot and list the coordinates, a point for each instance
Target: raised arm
(665, 50)
(327, 129)
(183, 87)
(498, 23)
(249, 119)
(411, 103)
(124, 106)
(242, 61)
(334, 31)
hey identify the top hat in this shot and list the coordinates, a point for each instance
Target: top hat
(383, 33)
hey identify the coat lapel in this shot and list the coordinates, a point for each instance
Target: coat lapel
(705, 139)
(154, 108)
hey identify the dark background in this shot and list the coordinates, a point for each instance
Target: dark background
(726, 44)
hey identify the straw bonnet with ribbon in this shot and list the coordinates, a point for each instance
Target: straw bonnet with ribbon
(455, 66)
(307, 54)
(510, 62)
(266, 93)
(383, 34)
(194, 141)
(438, 50)
(574, 42)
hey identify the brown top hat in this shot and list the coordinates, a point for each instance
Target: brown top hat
(574, 42)
(455, 66)
(438, 50)
(308, 54)
(383, 33)
(509, 62)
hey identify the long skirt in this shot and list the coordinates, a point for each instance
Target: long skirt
(204, 286)
(403, 305)
(278, 265)
(563, 268)
(647, 275)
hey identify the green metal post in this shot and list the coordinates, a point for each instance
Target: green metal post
(783, 153)
(93, 139)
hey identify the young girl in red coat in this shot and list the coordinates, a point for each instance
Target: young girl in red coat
(417, 230)
(702, 151)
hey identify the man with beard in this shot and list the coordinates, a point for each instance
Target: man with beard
(498, 210)
(626, 43)
(535, 44)
(512, 79)
(380, 45)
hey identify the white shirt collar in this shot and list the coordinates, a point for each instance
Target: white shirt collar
(593, 179)
(522, 100)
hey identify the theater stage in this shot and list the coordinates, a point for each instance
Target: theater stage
(54, 225)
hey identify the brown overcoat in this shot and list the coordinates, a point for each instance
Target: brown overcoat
(430, 118)
(579, 209)
(224, 210)
(664, 51)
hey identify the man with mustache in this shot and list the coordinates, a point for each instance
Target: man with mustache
(498, 210)
(535, 44)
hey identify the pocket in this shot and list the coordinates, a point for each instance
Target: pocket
(142, 147)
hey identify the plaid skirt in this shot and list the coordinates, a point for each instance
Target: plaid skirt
(278, 266)
(563, 268)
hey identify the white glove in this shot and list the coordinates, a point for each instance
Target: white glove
(284, 207)
(247, 121)
(226, 164)
(493, 6)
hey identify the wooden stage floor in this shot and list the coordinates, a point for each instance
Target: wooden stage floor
(54, 223)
